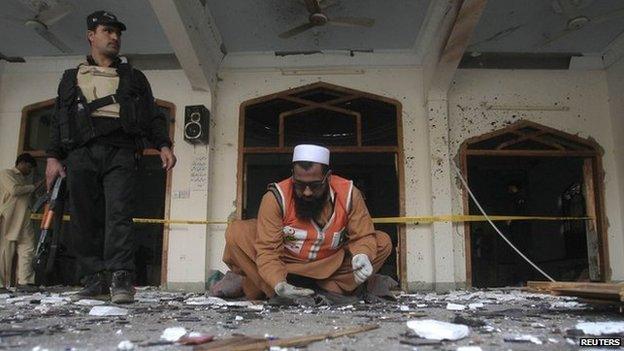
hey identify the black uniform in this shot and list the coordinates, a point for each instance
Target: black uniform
(100, 154)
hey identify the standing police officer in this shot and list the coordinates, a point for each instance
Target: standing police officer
(104, 116)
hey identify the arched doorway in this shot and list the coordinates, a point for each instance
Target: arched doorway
(362, 130)
(153, 190)
(530, 169)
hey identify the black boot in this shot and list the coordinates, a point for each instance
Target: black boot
(122, 290)
(95, 286)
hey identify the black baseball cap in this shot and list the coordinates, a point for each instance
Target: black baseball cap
(103, 18)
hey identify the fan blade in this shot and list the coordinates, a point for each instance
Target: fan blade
(52, 39)
(51, 15)
(12, 59)
(313, 6)
(352, 21)
(294, 31)
(556, 37)
(608, 16)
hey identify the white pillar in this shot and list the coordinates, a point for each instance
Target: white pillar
(444, 239)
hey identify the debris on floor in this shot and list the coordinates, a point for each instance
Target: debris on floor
(195, 339)
(455, 307)
(437, 330)
(211, 300)
(601, 328)
(125, 345)
(88, 302)
(107, 311)
(474, 319)
(469, 348)
(173, 334)
(241, 342)
(524, 338)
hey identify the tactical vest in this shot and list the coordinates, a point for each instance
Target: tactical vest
(76, 108)
(97, 82)
(304, 238)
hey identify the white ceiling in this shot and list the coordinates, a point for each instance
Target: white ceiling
(524, 25)
(254, 25)
(521, 26)
(144, 34)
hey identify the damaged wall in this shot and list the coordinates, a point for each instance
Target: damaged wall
(584, 92)
(615, 83)
(402, 84)
(37, 80)
(204, 181)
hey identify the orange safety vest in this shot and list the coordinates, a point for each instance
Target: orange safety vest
(304, 238)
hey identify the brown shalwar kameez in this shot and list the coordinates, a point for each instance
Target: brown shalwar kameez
(255, 249)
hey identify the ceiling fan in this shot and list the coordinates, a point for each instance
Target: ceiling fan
(576, 21)
(317, 18)
(46, 13)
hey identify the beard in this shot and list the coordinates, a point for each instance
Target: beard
(110, 50)
(310, 208)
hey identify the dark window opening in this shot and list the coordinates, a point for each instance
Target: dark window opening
(530, 145)
(262, 122)
(379, 122)
(322, 127)
(319, 95)
(528, 186)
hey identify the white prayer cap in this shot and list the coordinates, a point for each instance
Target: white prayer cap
(311, 153)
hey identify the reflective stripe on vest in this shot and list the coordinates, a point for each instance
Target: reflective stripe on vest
(304, 238)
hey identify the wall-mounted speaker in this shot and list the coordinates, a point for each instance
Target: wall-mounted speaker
(196, 124)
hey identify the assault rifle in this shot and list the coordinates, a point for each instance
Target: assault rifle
(51, 225)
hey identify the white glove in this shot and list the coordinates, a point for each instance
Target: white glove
(283, 289)
(362, 268)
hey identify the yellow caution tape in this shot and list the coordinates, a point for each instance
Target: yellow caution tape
(380, 220)
(177, 221)
(469, 218)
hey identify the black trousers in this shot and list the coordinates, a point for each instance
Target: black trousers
(101, 180)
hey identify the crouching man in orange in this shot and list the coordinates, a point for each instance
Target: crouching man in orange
(313, 225)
